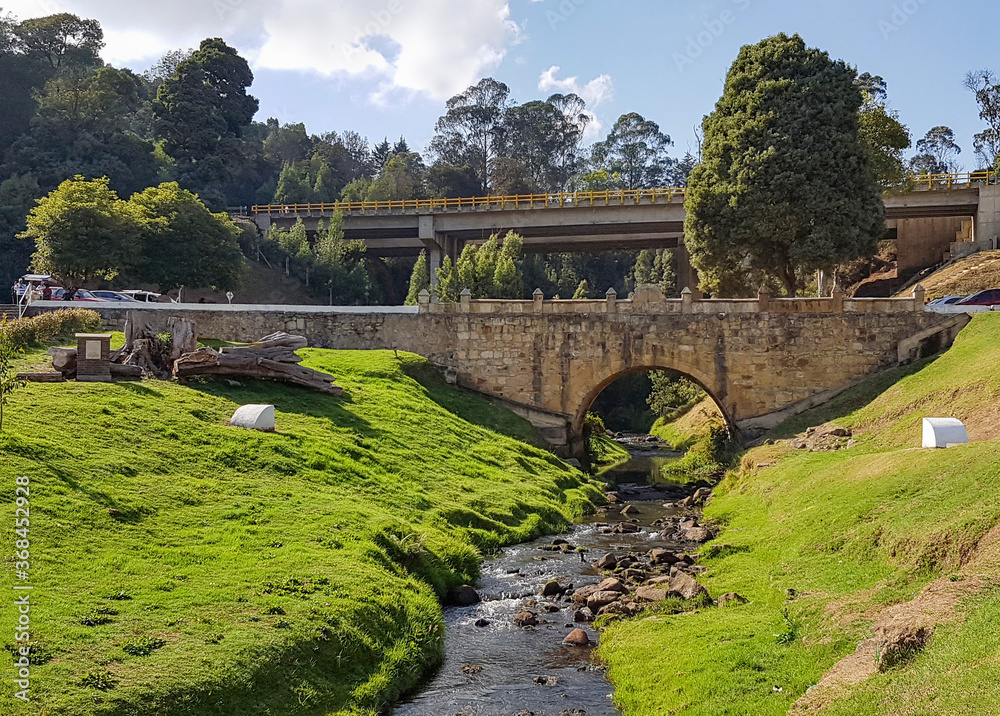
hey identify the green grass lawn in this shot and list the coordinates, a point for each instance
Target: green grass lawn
(184, 567)
(850, 532)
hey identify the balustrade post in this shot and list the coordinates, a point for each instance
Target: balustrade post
(763, 300)
(538, 299)
(919, 297)
(424, 301)
(687, 300)
(838, 299)
(466, 301)
(612, 297)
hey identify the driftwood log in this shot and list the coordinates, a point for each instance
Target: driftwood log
(146, 354)
(272, 357)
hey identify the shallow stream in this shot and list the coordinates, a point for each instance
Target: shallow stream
(494, 668)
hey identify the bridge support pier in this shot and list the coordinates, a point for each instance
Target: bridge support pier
(987, 228)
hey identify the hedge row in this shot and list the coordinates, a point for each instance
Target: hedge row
(24, 332)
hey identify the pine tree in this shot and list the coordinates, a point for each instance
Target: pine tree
(420, 280)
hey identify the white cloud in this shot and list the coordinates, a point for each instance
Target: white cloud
(426, 46)
(594, 93)
(432, 47)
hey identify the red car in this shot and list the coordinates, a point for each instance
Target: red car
(983, 298)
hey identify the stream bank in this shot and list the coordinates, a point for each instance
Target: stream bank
(505, 655)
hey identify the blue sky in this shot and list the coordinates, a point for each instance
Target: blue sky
(386, 67)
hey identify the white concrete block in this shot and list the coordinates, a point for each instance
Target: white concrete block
(944, 432)
(254, 417)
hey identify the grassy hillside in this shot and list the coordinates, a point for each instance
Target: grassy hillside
(689, 428)
(821, 543)
(965, 276)
(184, 567)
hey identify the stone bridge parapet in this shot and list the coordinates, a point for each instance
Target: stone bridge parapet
(762, 360)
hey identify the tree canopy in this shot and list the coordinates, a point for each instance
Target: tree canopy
(786, 184)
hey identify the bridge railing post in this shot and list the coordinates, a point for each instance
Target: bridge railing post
(612, 296)
(424, 301)
(466, 301)
(538, 300)
(919, 297)
(687, 300)
(763, 300)
(838, 299)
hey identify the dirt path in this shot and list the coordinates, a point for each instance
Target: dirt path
(936, 604)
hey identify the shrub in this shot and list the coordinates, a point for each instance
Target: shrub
(24, 332)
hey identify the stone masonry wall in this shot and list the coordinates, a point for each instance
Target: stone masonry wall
(759, 367)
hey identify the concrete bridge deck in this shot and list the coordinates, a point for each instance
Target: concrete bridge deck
(939, 212)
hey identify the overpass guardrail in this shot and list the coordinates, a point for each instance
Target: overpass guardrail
(556, 200)
(516, 201)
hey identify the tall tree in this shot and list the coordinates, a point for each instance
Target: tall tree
(341, 263)
(202, 111)
(420, 280)
(883, 133)
(62, 40)
(472, 129)
(402, 177)
(786, 185)
(635, 151)
(183, 244)
(83, 231)
(936, 152)
(985, 85)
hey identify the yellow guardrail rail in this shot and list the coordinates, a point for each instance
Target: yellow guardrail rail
(518, 201)
(948, 181)
(572, 199)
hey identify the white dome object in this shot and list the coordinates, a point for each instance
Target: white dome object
(254, 417)
(944, 432)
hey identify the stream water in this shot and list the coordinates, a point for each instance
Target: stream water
(494, 668)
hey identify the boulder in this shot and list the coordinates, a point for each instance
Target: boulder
(630, 510)
(651, 594)
(634, 575)
(577, 637)
(685, 586)
(731, 599)
(466, 596)
(581, 595)
(608, 561)
(483, 623)
(552, 589)
(525, 619)
(697, 534)
(611, 584)
(660, 556)
(659, 582)
(623, 528)
(598, 600)
(581, 616)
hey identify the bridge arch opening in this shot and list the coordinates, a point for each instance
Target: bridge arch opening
(631, 400)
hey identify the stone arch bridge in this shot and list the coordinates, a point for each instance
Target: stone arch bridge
(762, 360)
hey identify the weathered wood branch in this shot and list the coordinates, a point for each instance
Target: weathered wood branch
(206, 361)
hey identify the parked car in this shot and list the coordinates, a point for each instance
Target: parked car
(82, 294)
(989, 297)
(113, 296)
(946, 300)
(142, 296)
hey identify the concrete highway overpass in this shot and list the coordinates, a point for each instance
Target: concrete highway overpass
(941, 215)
